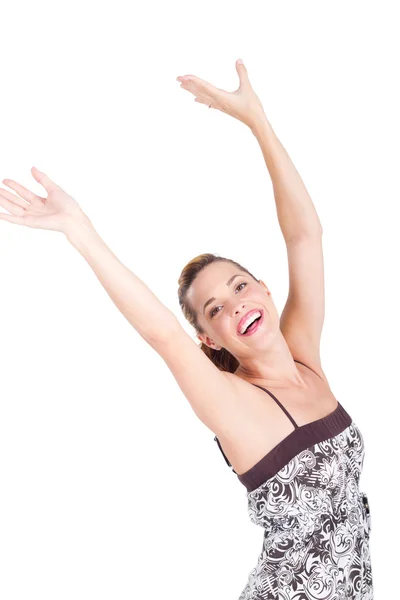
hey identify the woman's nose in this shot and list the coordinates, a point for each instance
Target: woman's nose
(239, 309)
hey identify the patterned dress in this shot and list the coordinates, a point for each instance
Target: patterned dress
(305, 495)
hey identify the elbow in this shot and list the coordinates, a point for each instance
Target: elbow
(161, 335)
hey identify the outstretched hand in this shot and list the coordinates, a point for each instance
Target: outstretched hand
(56, 212)
(242, 104)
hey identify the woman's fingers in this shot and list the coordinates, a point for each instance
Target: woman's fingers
(13, 219)
(242, 72)
(45, 181)
(22, 191)
(197, 86)
(31, 210)
(10, 199)
(26, 194)
(202, 101)
(24, 219)
(206, 93)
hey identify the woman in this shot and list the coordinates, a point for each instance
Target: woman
(256, 380)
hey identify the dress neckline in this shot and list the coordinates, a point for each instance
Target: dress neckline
(301, 437)
(290, 416)
(334, 411)
(329, 417)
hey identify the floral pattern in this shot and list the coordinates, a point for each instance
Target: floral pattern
(316, 525)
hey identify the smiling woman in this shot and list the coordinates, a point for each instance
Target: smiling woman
(294, 477)
(220, 356)
(302, 483)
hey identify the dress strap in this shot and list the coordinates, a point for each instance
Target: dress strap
(279, 404)
(276, 399)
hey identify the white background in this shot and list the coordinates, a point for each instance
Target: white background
(110, 485)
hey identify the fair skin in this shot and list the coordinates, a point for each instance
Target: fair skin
(264, 358)
(299, 331)
(225, 402)
(242, 104)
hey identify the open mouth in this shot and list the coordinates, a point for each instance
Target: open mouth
(254, 326)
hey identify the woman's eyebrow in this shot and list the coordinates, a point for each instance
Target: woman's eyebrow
(228, 283)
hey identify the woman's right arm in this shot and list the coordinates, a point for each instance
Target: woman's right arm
(148, 315)
(212, 394)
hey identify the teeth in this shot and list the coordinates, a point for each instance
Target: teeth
(249, 320)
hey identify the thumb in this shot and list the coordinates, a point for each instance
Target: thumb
(242, 72)
(45, 181)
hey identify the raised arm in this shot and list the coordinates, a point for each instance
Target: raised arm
(303, 315)
(144, 311)
(211, 393)
(296, 212)
(60, 212)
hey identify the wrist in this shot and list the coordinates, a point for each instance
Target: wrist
(77, 227)
(259, 124)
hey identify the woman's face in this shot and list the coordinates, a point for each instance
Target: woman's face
(220, 308)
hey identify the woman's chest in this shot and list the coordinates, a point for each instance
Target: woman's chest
(266, 420)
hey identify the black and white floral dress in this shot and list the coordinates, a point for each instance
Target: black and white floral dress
(305, 495)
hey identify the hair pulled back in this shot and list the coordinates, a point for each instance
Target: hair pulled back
(222, 359)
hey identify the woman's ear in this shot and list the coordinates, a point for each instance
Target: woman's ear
(208, 342)
(266, 288)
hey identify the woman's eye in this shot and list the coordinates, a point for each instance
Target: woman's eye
(243, 283)
(212, 313)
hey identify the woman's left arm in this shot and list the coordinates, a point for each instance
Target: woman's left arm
(302, 318)
(296, 212)
(303, 315)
